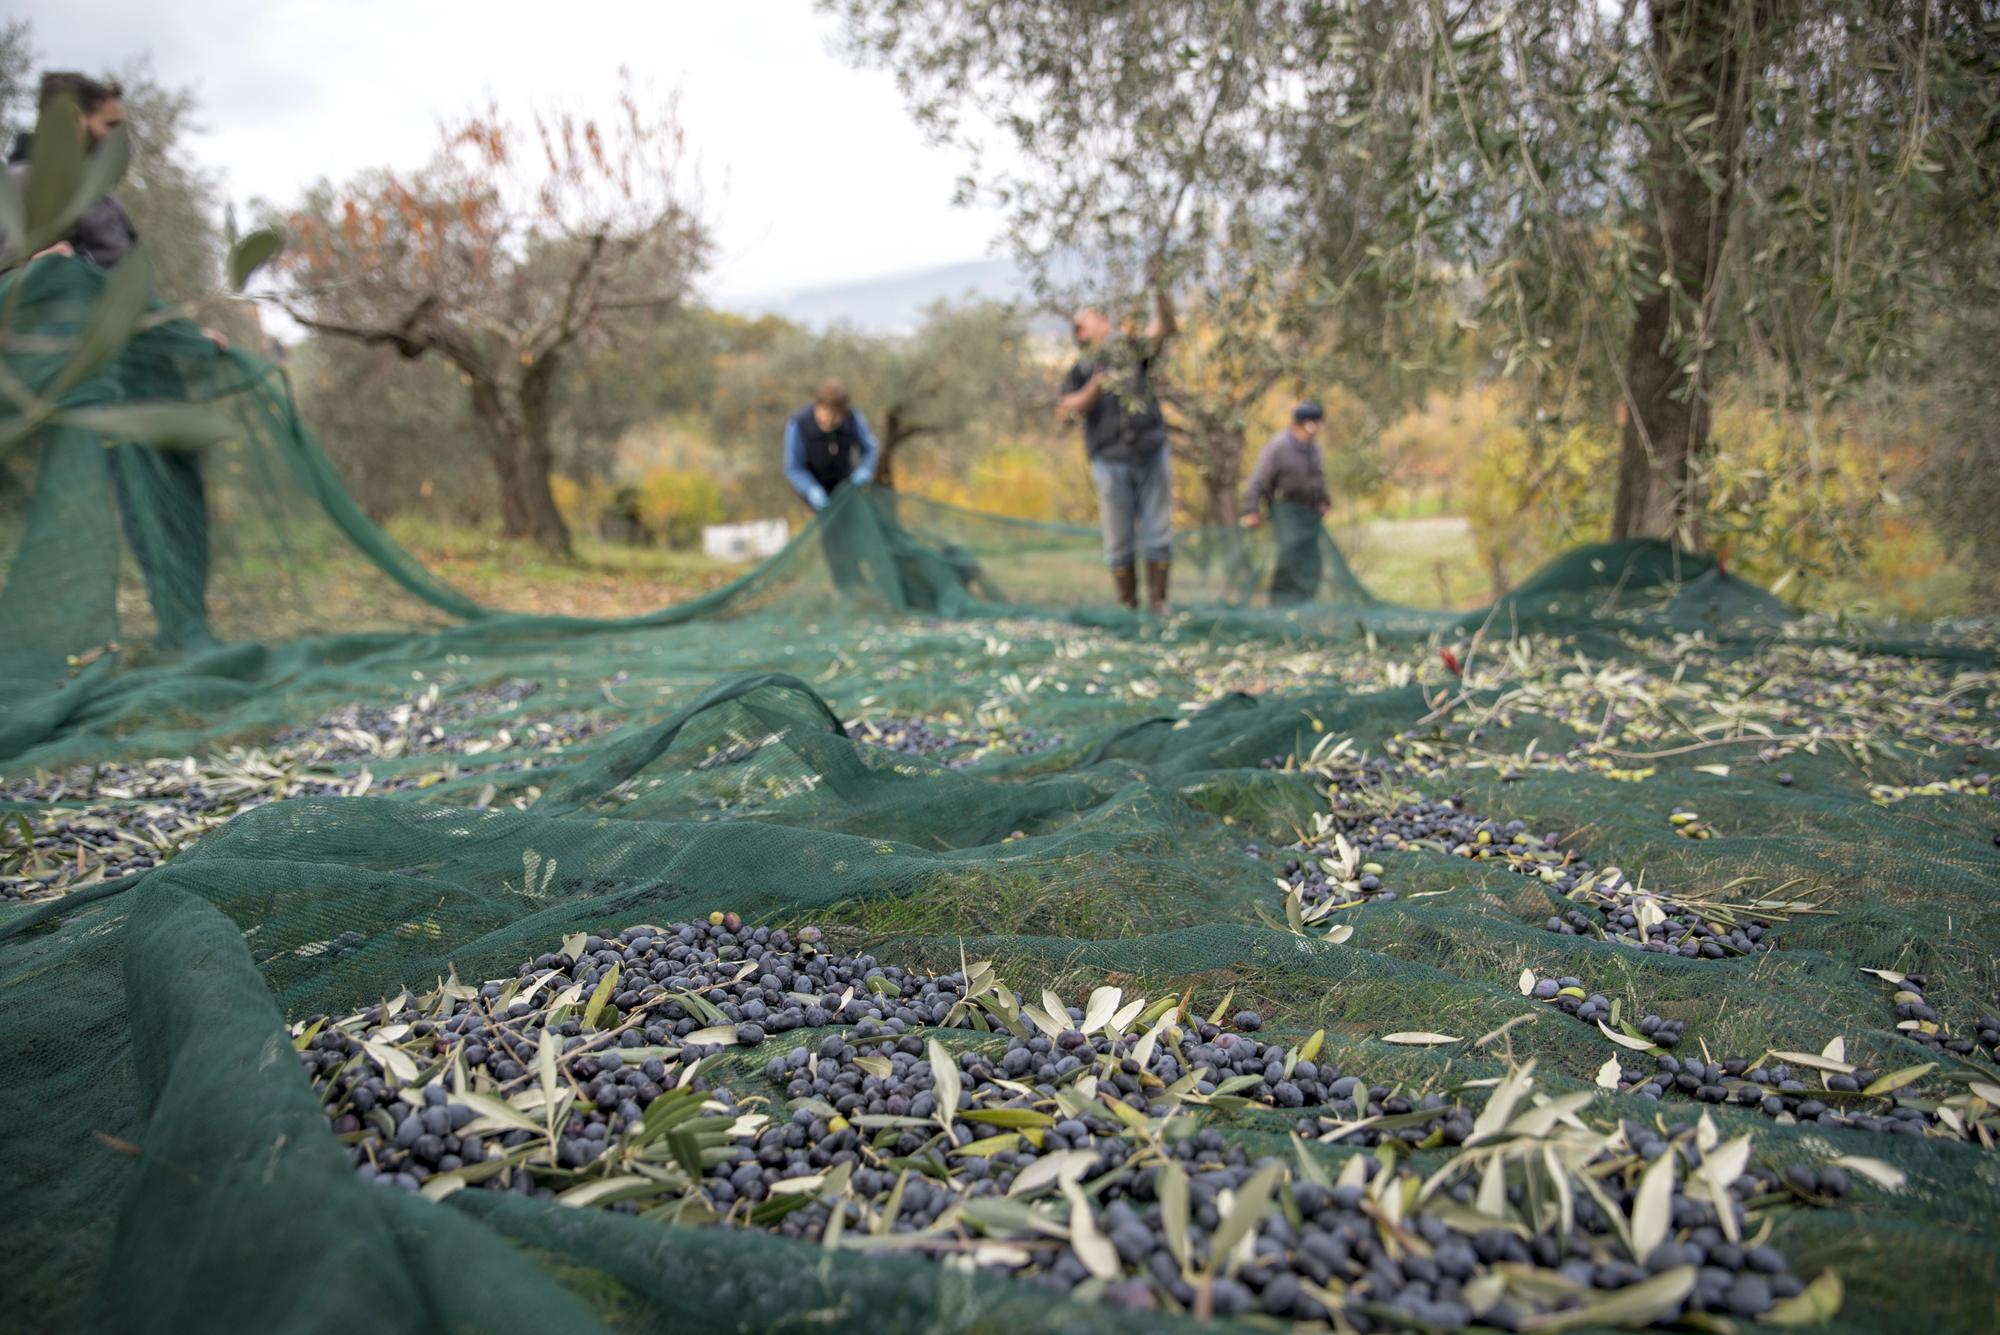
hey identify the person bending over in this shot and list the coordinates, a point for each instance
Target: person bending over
(1289, 479)
(1110, 388)
(828, 443)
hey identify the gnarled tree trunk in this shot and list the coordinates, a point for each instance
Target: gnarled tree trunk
(1703, 52)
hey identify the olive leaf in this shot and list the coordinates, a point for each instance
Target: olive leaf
(1223, 1009)
(63, 178)
(724, 1034)
(1625, 1041)
(1295, 915)
(251, 253)
(1253, 1200)
(545, 1064)
(1052, 1006)
(1103, 1004)
(944, 1073)
(891, 1208)
(1311, 1050)
(1635, 1305)
(1015, 1117)
(1652, 1207)
(1124, 1016)
(1527, 982)
(1043, 1021)
(1537, 1122)
(1491, 1199)
(1608, 1208)
(703, 1009)
(1155, 1012)
(1886, 1176)
(992, 1145)
(1086, 1239)
(686, 1151)
(395, 1062)
(1142, 1051)
(1817, 1061)
(607, 987)
(876, 1065)
(1047, 1169)
(1607, 1074)
(1895, 1080)
(499, 1110)
(1819, 1303)
(1419, 1039)
(1172, 1190)
(1310, 1168)
(1493, 1118)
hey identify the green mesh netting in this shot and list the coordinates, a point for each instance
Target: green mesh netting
(167, 1166)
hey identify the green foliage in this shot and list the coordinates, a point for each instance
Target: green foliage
(390, 425)
(1539, 173)
(17, 88)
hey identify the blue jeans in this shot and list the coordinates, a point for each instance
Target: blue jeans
(1135, 504)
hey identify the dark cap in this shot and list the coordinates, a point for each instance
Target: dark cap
(1309, 411)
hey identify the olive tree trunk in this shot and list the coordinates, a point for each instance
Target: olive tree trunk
(1702, 51)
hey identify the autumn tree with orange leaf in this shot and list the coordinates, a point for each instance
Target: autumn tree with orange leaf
(508, 255)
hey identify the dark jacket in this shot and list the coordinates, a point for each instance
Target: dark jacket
(102, 235)
(1124, 426)
(1288, 472)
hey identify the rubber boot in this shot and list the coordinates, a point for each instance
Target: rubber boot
(1156, 587)
(1127, 580)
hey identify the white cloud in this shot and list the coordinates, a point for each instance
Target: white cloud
(812, 170)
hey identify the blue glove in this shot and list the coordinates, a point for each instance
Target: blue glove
(861, 477)
(816, 498)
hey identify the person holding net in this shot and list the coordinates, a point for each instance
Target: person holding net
(1110, 389)
(828, 443)
(162, 504)
(1290, 480)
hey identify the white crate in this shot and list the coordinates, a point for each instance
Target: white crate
(754, 540)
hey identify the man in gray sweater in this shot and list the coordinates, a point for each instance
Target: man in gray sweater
(1289, 479)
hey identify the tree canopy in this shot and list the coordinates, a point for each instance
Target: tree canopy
(1623, 204)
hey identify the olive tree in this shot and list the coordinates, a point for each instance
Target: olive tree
(510, 255)
(1624, 203)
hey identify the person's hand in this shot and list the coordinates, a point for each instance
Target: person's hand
(1251, 520)
(861, 477)
(217, 337)
(62, 248)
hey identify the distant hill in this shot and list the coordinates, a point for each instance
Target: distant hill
(891, 305)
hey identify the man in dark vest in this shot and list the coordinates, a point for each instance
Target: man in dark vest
(828, 442)
(1110, 389)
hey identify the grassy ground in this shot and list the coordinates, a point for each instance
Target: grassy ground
(602, 580)
(1427, 562)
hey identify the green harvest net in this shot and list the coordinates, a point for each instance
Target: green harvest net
(1086, 817)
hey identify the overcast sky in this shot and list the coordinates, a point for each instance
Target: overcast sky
(812, 170)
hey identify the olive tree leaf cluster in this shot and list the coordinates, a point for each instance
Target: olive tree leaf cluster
(1629, 204)
(511, 255)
